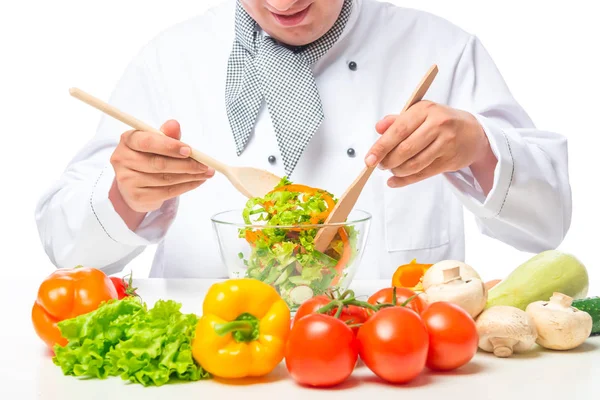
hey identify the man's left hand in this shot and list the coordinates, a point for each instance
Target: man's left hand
(426, 140)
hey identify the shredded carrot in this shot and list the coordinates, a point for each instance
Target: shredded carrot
(268, 205)
(294, 188)
(315, 218)
(253, 236)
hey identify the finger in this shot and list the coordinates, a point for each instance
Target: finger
(154, 163)
(437, 167)
(400, 129)
(149, 142)
(172, 129)
(422, 137)
(168, 192)
(151, 198)
(164, 179)
(420, 161)
(385, 123)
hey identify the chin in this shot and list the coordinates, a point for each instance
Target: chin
(299, 36)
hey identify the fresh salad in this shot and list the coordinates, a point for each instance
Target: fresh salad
(282, 250)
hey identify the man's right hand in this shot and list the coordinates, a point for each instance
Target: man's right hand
(150, 169)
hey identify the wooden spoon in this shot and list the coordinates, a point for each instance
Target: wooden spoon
(251, 182)
(345, 204)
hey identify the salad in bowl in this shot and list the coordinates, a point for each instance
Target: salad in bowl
(272, 240)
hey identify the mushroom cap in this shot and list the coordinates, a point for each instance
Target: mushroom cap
(470, 295)
(559, 326)
(506, 322)
(435, 274)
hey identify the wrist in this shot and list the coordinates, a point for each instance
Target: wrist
(484, 154)
(484, 163)
(132, 218)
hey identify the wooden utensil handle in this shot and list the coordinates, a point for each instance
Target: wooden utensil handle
(346, 203)
(139, 125)
(423, 87)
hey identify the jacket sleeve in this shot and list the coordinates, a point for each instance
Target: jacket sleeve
(76, 221)
(529, 206)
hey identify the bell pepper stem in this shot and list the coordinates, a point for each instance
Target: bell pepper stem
(244, 328)
(233, 326)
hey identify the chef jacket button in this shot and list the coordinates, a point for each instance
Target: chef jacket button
(351, 152)
(272, 159)
(352, 65)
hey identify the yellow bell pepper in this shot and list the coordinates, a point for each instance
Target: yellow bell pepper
(243, 329)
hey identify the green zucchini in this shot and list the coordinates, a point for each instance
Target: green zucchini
(538, 278)
(591, 305)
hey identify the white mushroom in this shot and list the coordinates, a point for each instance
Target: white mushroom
(559, 326)
(504, 330)
(435, 274)
(470, 294)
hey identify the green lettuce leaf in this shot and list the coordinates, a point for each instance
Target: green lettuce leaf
(124, 338)
(275, 248)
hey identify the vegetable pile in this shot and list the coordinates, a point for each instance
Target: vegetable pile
(541, 301)
(246, 330)
(282, 250)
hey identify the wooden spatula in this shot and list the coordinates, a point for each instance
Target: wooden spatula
(348, 200)
(251, 182)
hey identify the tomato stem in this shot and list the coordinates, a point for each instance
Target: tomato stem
(370, 306)
(130, 290)
(411, 298)
(347, 293)
(350, 301)
(354, 325)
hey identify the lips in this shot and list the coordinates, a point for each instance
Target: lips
(291, 19)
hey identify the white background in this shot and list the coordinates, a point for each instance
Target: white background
(547, 51)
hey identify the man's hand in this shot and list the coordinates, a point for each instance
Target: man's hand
(429, 139)
(150, 169)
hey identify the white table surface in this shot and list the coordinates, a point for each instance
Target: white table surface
(27, 371)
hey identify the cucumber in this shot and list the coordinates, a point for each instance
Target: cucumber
(274, 273)
(298, 280)
(284, 275)
(300, 294)
(591, 305)
(538, 278)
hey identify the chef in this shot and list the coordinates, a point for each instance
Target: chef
(311, 89)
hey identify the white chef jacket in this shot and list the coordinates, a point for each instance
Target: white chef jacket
(370, 72)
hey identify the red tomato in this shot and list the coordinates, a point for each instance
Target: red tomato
(311, 306)
(123, 288)
(402, 294)
(354, 315)
(393, 343)
(321, 351)
(453, 336)
(350, 314)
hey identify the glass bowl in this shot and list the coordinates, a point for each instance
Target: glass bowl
(291, 265)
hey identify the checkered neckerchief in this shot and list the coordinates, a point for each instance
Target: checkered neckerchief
(260, 67)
